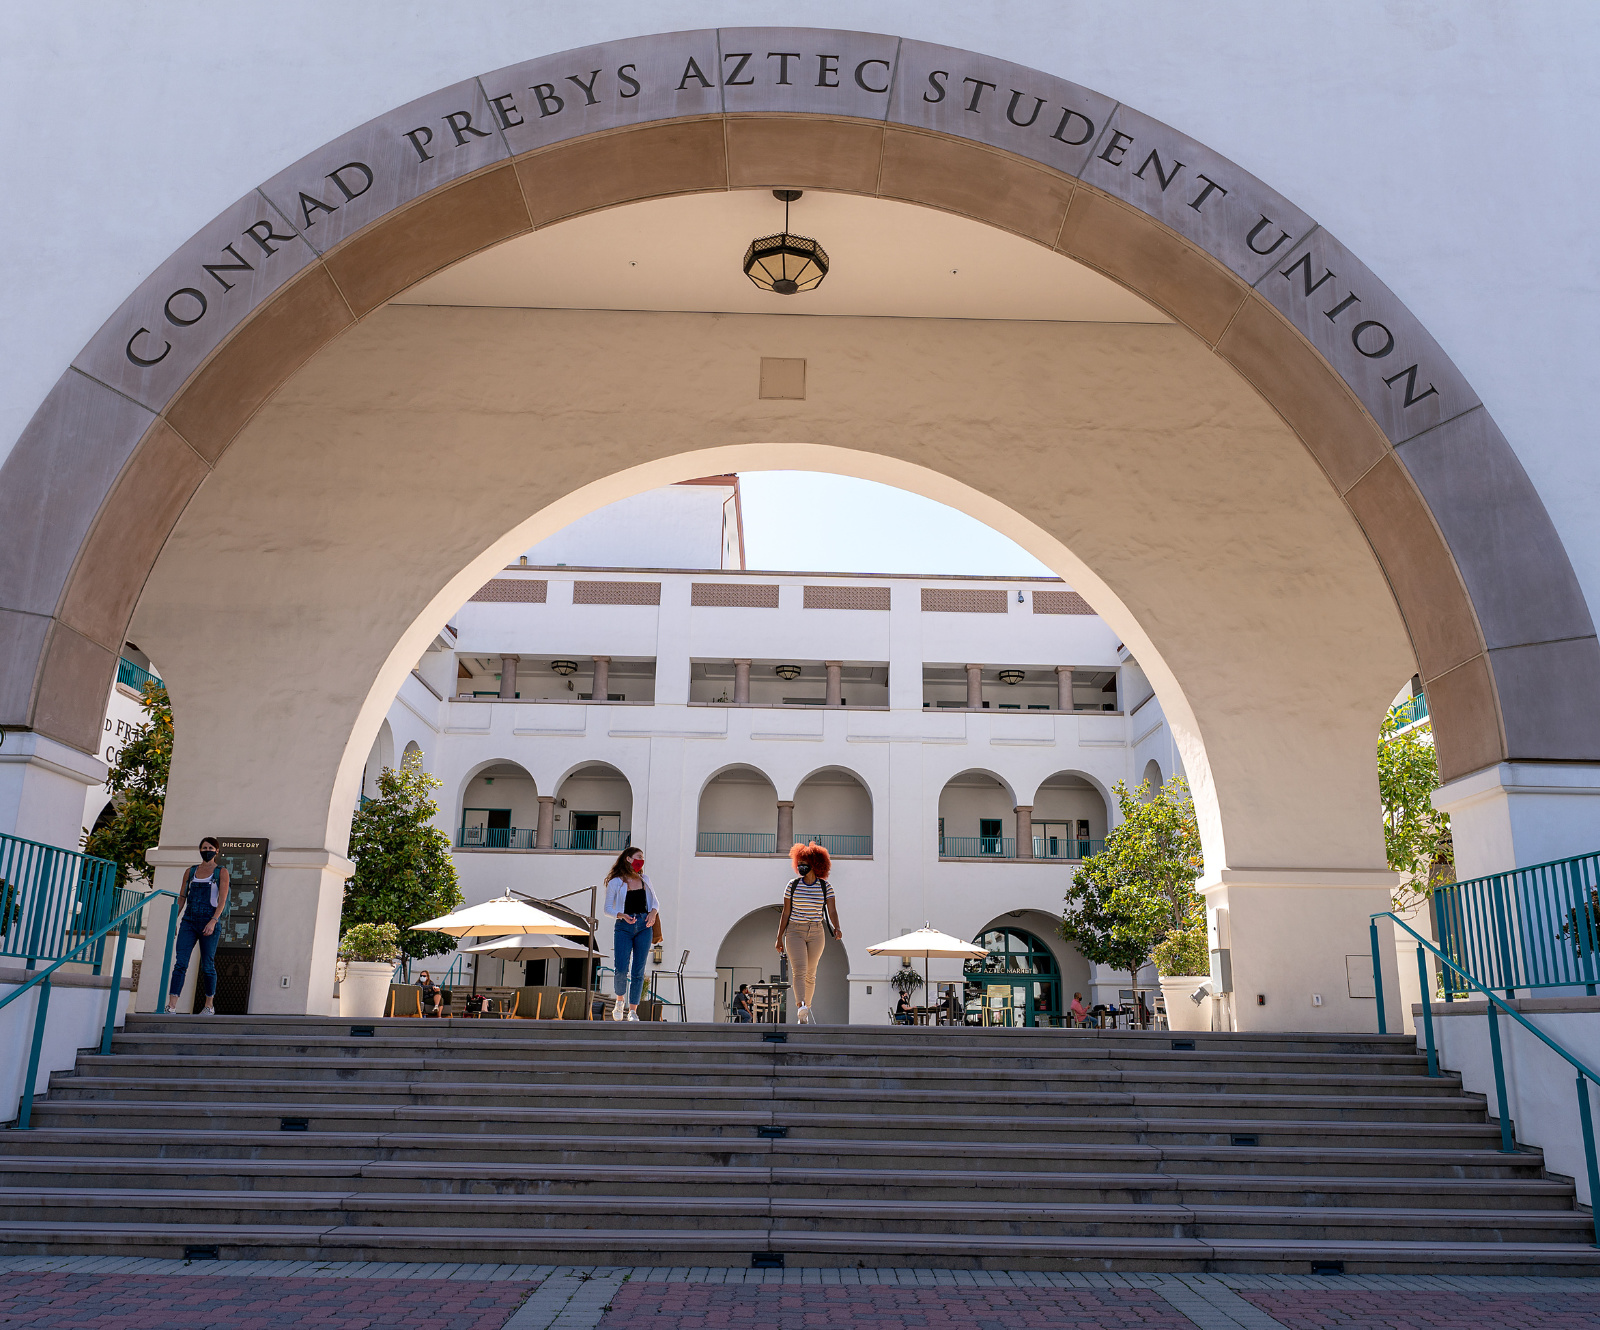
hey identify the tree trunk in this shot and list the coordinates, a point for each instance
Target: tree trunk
(1134, 976)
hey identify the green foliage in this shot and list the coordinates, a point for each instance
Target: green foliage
(906, 982)
(1416, 835)
(1184, 950)
(404, 872)
(370, 942)
(138, 785)
(1137, 891)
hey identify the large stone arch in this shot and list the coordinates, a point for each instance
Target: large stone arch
(293, 279)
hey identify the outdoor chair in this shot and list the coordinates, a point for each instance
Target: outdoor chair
(405, 1000)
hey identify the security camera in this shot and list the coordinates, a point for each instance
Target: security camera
(1202, 993)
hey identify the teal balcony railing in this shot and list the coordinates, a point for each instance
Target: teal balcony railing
(1412, 710)
(132, 676)
(1535, 927)
(977, 847)
(50, 899)
(494, 838)
(856, 845)
(1057, 847)
(737, 842)
(613, 842)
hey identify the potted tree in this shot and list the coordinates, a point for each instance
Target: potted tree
(367, 953)
(1183, 964)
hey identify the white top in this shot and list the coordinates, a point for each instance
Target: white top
(617, 894)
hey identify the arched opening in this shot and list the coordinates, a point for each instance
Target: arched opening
(1240, 407)
(834, 808)
(1152, 780)
(747, 956)
(1019, 982)
(379, 759)
(738, 814)
(1070, 817)
(412, 749)
(499, 809)
(594, 810)
(977, 817)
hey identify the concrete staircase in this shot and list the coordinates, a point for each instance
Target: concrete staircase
(565, 1142)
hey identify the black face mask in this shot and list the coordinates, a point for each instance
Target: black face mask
(208, 855)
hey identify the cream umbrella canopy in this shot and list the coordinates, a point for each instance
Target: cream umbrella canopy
(928, 942)
(527, 947)
(500, 917)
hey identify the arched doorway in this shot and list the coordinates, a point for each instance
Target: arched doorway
(1352, 451)
(747, 956)
(1020, 970)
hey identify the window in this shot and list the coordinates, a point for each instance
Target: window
(989, 833)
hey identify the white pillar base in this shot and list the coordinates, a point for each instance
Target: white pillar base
(1520, 813)
(42, 788)
(1294, 935)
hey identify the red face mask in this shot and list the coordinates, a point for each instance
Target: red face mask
(637, 865)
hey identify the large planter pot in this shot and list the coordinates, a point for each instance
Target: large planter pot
(1183, 1013)
(364, 991)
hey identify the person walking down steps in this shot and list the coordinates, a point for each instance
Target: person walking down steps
(631, 900)
(203, 899)
(809, 915)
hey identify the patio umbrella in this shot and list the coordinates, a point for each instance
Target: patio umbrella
(928, 942)
(497, 918)
(526, 947)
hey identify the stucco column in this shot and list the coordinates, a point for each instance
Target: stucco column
(544, 836)
(1063, 687)
(602, 678)
(741, 682)
(835, 682)
(1024, 814)
(508, 675)
(785, 825)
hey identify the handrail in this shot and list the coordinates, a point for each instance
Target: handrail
(42, 979)
(1495, 1005)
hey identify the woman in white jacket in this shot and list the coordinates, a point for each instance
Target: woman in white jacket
(631, 900)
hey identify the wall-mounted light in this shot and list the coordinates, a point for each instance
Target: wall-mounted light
(1012, 676)
(787, 671)
(786, 264)
(1019, 598)
(564, 667)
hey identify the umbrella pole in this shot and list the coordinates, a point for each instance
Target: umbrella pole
(588, 964)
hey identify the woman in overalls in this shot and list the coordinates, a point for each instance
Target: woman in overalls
(204, 897)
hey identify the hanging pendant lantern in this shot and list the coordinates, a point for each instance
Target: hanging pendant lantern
(786, 264)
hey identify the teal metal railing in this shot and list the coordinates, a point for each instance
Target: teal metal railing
(1055, 847)
(50, 897)
(1535, 927)
(977, 847)
(452, 976)
(41, 981)
(857, 845)
(737, 842)
(1411, 710)
(613, 842)
(134, 677)
(495, 838)
(1494, 1006)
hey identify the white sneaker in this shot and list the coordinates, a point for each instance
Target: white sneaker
(633, 1015)
(619, 1009)
(171, 1010)
(805, 1015)
(208, 1011)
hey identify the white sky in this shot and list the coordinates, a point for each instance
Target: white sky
(812, 522)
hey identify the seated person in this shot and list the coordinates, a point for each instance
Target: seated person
(432, 999)
(742, 1005)
(902, 1011)
(1080, 1013)
(954, 1011)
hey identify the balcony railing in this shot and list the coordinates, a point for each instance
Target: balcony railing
(614, 842)
(737, 842)
(1005, 847)
(132, 676)
(495, 838)
(977, 847)
(847, 845)
(1412, 710)
(51, 899)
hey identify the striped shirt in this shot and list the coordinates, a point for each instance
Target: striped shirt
(806, 900)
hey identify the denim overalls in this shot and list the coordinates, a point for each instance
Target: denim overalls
(197, 912)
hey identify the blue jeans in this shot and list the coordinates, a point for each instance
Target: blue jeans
(190, 931)
(630, 947)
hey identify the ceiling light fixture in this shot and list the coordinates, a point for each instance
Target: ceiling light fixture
(787, 671)
(564, 667)
(1012, 676)
(786, 264)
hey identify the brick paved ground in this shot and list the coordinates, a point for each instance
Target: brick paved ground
(651, 1305)
(1388, 1309)
(64, 1301)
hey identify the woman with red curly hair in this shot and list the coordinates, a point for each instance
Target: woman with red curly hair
(809, 914)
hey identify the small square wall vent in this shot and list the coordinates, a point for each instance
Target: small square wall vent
(783, 379)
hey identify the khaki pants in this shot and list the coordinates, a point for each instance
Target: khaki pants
(803, 944)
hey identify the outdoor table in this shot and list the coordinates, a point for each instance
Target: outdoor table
(768, 1002)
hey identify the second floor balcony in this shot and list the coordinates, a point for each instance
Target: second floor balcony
(1005, 847)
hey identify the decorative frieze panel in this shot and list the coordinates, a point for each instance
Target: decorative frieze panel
(514, 590)
(963, 600)
(616, 593)
(1060, 602)
(740, 595)
(848, 598)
